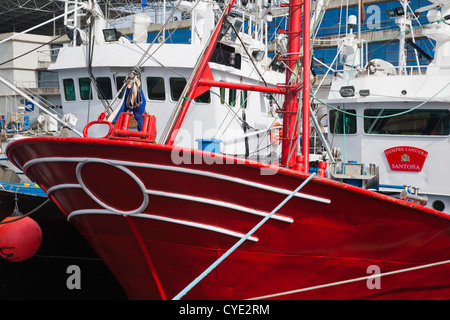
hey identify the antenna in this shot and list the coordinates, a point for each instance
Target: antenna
(351, 22)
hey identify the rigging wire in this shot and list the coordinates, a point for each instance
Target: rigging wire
(385, 116)
(404, 31)
(167, 132)
(261, 78)
(90, 54)
(331, 284)
(261, 75)
(34, 49)
(146, 52)
(235, 115)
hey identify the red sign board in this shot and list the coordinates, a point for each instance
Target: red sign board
(406, 158)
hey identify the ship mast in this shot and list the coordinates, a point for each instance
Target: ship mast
(289, 147)
(403, 22)
(306, 82)
(298, 9)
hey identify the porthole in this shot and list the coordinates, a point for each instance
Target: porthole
(438, 205)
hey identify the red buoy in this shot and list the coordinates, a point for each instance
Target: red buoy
(19, 239)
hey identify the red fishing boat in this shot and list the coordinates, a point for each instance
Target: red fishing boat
(173, 222)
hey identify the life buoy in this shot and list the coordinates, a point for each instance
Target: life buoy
(275, 135)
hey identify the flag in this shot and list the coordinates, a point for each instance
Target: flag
(363, 14)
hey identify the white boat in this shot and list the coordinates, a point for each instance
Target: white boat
(402, 121)
(244, 122)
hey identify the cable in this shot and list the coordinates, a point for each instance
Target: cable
(27, 214)
(236, 115)
(24, 54)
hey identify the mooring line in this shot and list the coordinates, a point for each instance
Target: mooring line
(373, 276)
(235, 246)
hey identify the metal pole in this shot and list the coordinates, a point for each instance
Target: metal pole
(39, 25)
(306, 82)
(289, 146)
(180, 111)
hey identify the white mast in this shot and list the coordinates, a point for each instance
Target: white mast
(403, 22)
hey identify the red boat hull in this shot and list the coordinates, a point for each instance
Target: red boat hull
(158, 224)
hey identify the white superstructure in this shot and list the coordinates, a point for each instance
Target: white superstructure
(241, 120)
(402, 117)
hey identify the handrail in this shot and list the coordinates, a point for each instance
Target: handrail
(23, 94)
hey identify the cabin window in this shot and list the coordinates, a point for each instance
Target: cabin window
(340, 120)
(176, 87)
(85, 88)
(156, 89)
(244, 95)
(104, 85)
(258, 55)
(222, 95)
(205, 97)
(416, 122)
(232, 98)
(69, 89)
(119, 83)
(237, 26)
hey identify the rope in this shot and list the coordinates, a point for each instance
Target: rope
(224, 256)
(352, 280)
(143, 58)
(27, 214)
(134, 98)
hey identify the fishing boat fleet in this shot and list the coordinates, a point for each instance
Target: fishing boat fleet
(197, 176)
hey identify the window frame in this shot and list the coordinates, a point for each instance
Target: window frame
(222, 93)
(73, 90)
(339, 121)
(160, 80)
(117, 79)
(171, 79)
(91, 95)
(243, 99)
(108, 91)
(232, 97)
(412, 117)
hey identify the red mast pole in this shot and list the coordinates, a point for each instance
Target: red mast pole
(306, 82)
(289, 147)
(203, 65)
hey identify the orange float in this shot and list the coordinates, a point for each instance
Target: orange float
(20, 238)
